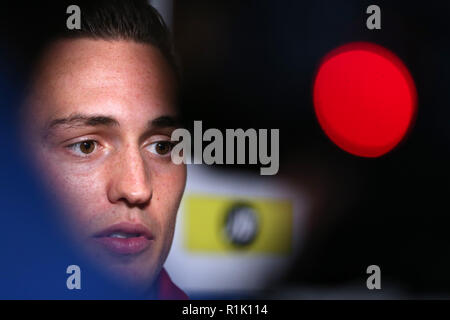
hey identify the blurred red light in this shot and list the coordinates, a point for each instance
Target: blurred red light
(364, 98)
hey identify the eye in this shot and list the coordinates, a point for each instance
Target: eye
(83, 148)
(161, 148)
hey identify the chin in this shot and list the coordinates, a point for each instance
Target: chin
(135, 278)
(136, 273)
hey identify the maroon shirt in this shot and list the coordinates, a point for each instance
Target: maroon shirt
(167, 290)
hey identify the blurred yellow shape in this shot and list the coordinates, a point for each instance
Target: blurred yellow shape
(205, 217)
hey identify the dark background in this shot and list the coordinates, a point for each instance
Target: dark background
(251, 64)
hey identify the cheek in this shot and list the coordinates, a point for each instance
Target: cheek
(168, 188)
(80, 190)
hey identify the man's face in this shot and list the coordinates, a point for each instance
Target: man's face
(103, 112)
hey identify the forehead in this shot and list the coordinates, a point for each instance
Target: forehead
(118, 77)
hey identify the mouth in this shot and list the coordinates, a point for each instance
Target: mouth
(125, 238)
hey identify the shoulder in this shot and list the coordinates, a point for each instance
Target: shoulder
(169, 290)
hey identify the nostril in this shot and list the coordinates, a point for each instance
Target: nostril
(130, 183)
(137, 200)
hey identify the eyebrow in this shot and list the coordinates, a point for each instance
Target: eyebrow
(80, 120)
(164, 122)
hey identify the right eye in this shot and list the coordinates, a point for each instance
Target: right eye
(161, 148)
(83, 148)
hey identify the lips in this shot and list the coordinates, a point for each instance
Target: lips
(125, 238)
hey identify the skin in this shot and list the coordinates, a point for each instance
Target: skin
(126, 176)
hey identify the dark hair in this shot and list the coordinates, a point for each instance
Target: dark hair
(134, 20)
(126, 20)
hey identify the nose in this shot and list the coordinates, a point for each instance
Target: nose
(130, 181)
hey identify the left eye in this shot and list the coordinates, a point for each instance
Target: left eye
(161, 148)
(83, 148)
